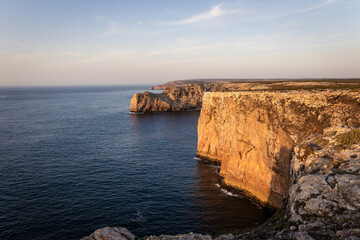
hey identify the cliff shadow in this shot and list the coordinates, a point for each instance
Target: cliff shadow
(222, 209)
(280, 181)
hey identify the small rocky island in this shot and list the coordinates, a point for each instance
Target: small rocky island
(292, 146)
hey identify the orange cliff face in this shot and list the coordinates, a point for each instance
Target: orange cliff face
(171, 99)
(182, 97)
(253, 134)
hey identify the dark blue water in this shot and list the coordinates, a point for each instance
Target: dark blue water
(72, 160)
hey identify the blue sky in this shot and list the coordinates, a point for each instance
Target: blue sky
(134, 42)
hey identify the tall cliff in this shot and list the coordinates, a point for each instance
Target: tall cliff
(253, 134)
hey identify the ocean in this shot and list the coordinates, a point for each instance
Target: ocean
(73, 159)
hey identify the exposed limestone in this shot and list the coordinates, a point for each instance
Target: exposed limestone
(182, 98)
(171, 99)
(327, 182)
(188, 236)
(252, 134)
(324, 199)
(268, 83)
(111, 233)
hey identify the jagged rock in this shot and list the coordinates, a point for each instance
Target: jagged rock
(253, 134)
(228, 236)
(171, 99)
(325, 185)
(111, 233)
(189, 236)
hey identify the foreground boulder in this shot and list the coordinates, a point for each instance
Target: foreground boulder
(111, 233)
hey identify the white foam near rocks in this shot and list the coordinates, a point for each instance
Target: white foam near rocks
(226, 192)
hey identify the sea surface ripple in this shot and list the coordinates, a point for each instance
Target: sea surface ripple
(72, 160)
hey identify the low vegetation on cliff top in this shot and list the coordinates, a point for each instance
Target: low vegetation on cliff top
(349, 138)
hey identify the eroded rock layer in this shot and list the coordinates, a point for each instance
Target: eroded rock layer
(253, 134)
(171, 99)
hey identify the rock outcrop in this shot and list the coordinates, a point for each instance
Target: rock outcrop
(171, 99)
(324, 199)
(252, 134)
(111, 233)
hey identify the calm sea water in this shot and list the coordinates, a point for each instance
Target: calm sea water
(72, 160)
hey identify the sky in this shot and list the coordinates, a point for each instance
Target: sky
(88, 42)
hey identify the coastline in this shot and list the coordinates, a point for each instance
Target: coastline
(294, 218)
(298, 217)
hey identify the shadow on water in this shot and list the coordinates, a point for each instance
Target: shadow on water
(210, 208)
(222, 210)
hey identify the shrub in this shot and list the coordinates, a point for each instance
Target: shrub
(349, 138)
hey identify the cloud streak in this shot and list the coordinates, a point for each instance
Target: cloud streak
(215, 12)
(304, 10)
(113, 29)
(326, 3)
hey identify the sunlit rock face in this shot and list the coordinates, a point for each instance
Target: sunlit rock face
(184, 97)
(252, 134)
(170, 100)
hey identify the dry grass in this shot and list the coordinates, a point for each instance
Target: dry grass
(349, 138)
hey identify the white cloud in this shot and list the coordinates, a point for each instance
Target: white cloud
(138, 23)
(327, 2)
(304, 10)
(99, 17)
(113, 29)
(214, 12)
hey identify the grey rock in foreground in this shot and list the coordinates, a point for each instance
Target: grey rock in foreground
(111, 233)
(188, 236)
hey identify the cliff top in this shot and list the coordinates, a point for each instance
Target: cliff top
(301, 96)
(275, 84)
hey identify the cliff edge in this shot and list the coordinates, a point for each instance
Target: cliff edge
(253, 134)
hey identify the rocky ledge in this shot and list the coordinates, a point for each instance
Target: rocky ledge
(323, 201)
